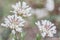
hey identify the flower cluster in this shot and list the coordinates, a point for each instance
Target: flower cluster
(46, 28)
(14, 22)
(22, 9)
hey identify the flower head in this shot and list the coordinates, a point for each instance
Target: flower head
(46, 28)
(14, 22)
(22, 9)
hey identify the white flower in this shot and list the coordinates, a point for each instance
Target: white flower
(50, 5)
(22, 9)
(14, 22)
(46, 28)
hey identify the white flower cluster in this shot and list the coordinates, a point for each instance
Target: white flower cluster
(14, 22)
(46, 28)
(22, 9)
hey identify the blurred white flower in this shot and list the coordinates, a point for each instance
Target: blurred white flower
(14, 22)
(40, 13)
(46, 28)
(22, 9)
(50, 5)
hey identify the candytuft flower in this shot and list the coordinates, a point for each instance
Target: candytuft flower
(14, 22)
(21, 9)
(46, 28)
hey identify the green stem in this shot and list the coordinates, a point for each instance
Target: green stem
(38, 36)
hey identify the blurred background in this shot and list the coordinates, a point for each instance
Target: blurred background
(39, 10)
